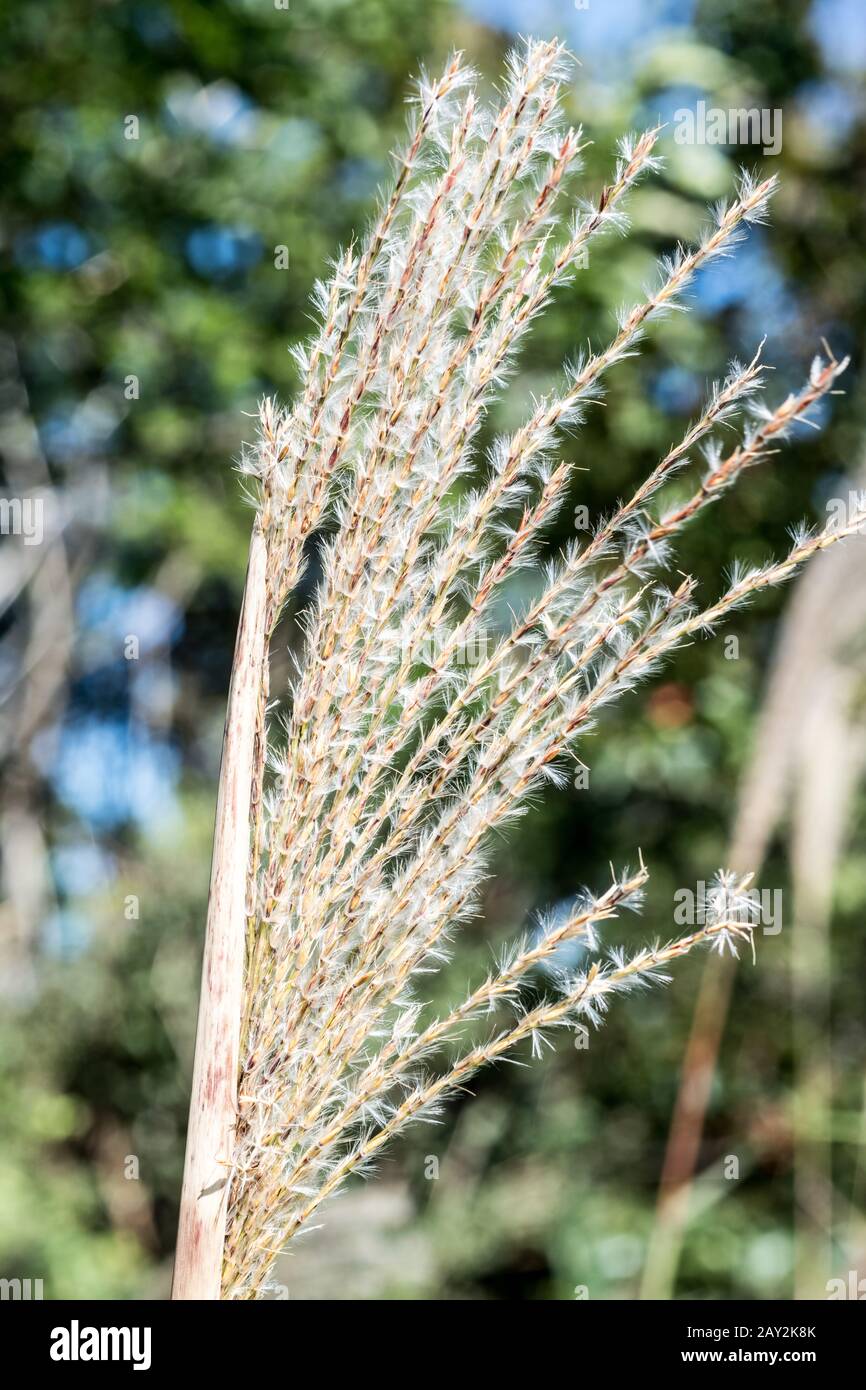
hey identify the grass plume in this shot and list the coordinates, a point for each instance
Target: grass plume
(419, 724)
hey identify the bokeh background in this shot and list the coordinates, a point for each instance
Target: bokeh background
(146, 309)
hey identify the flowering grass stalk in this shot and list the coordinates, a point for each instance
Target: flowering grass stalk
(419, 724)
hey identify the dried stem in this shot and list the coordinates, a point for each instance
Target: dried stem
(213, 1103)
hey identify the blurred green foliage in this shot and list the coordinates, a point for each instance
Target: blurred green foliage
(156, 257)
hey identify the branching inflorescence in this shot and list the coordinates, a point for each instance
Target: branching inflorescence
(420, 721)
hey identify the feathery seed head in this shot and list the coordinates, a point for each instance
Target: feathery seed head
(428, 709)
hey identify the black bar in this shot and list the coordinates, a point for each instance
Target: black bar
(258, 1342)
